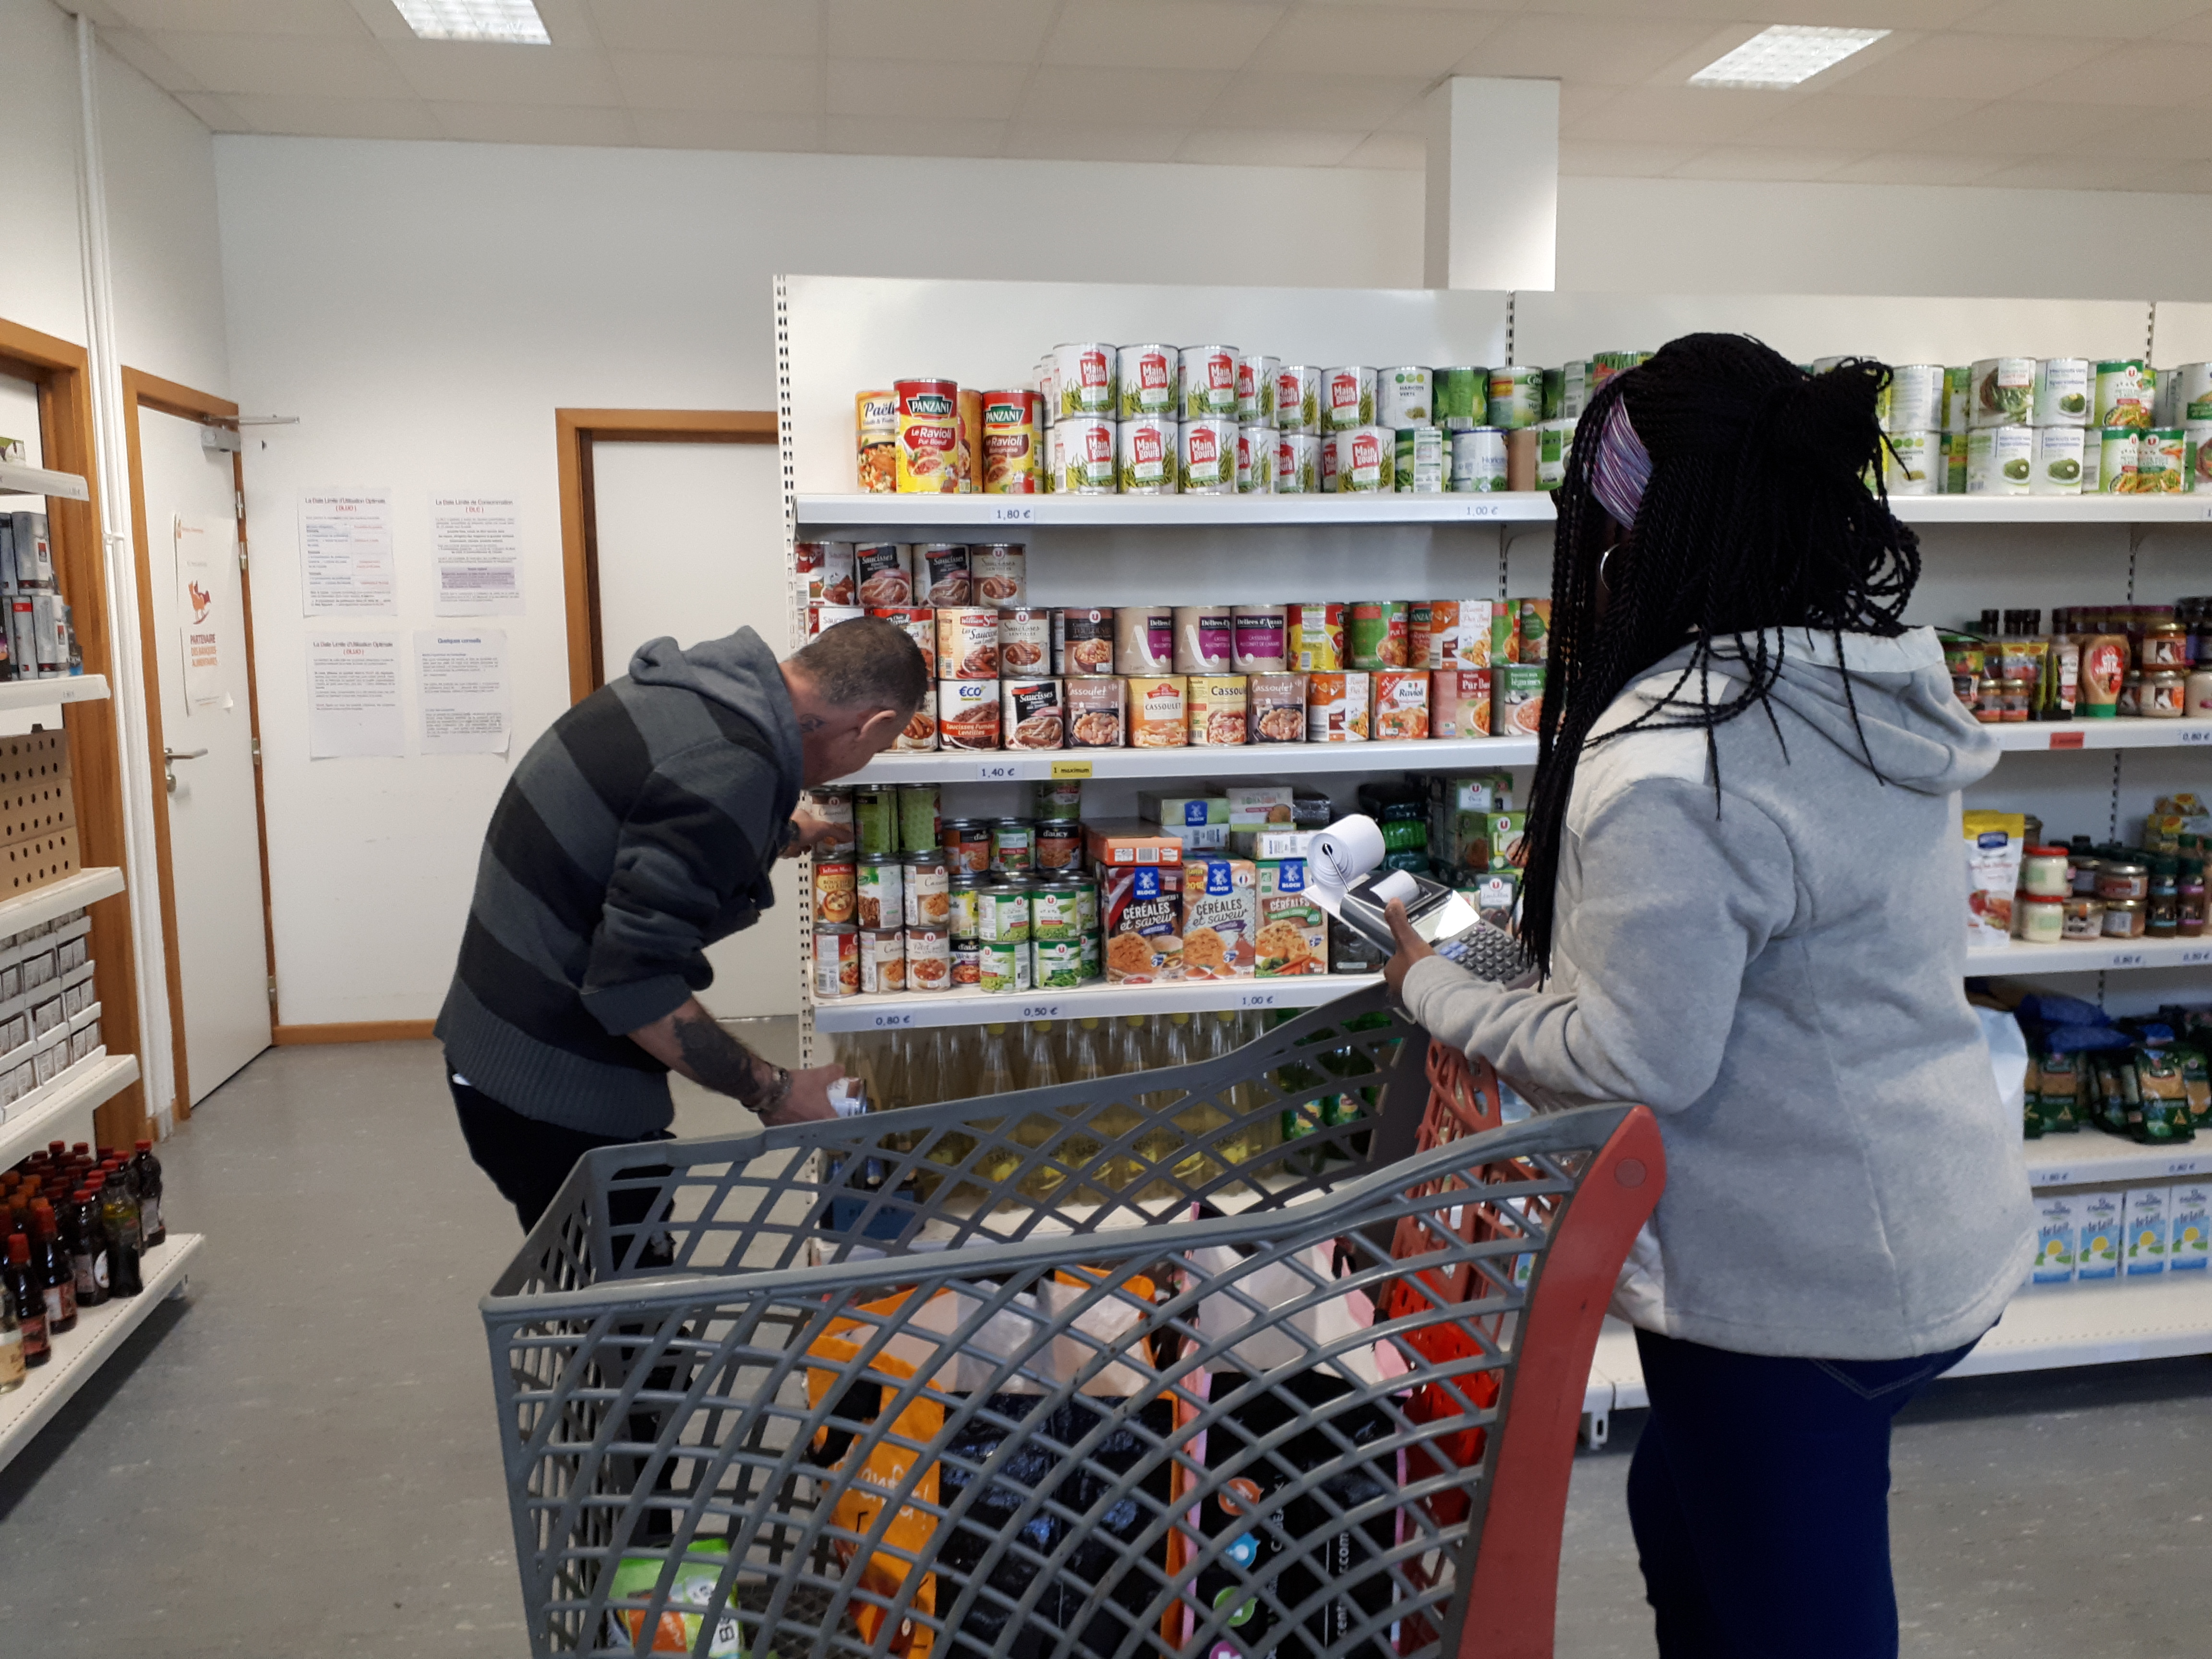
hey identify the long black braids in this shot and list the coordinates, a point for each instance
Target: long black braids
(1757, 518)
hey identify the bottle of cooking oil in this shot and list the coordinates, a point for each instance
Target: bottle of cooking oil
(1040, 1070)
(994, 1077)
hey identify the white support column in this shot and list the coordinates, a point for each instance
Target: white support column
(1494, 183)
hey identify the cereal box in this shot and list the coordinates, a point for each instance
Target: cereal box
(1142, 907)
(1220, 918)
(1293, 936)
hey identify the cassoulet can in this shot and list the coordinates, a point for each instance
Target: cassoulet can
(928, 959)
(883, 961)
(1032, 714)
(1401, 704)
(1025, 641)
(1205, 639)
(826, 567)
(1094, 712)
(1278, 708)
(1013, 443)
(1336, 708)
(884, 572)
(1158, 712)
(928, 437)
(1000, 573)
(968, 713)
(1259, 639)
(875, 418)
(1217, 707)
(1147, 461)
(1149, 381)
(882, 892)
(941, 571)
(836, 961)
(967, 458)
(968, 643)
(1081, 640)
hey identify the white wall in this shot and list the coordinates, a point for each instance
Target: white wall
(41, 280)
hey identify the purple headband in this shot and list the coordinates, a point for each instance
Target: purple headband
(1622, 468)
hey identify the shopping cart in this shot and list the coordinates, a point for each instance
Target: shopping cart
(1209, 1360)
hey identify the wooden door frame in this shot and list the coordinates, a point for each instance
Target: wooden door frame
(575, 430)
(63, 373)
(141, 391)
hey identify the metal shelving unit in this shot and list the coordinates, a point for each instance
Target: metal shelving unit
(40, 1115)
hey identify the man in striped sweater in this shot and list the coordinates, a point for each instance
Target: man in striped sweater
(642, 827)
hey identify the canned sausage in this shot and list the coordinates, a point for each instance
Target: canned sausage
(967, 643)
(1297, 398)
(819, 616)
(836, 882)
(919, 735)
(836, 961)
(1347, 397)
(998, 572)
(1024, 641)
(827, 569)
(1206, 456)
(968, 713)
(1149, 385)
(1278, 708)
(1081, 640)
(1317, 637)
(884, 573)
(1255, 388)
(928, 960)
(1255, 459)
(883, 961)
(1218, 703)
(1084, 377)
(1082, 455)
(1204, 639)
(1207, 383)
(875, 420)
(928, 414)
(1013, 439)
(1145, 639)
(928, 894)
(940, 570)
(1158, 716)
(1094, 713)
(1336, 708)
(1147, 463)
(881, 892)
(1297, 463)
(1032, 714)
(1401, 704)
(918, 623)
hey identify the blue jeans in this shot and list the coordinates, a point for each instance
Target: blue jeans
(1759, 1496)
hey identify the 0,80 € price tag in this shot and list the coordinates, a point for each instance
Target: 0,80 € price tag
(886, 1021)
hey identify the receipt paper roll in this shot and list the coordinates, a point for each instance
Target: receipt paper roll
(1339, 855)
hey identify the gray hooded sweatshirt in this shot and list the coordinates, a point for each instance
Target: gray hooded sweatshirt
(1779, 976)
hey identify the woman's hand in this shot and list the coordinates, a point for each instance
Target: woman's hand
(1412, 948)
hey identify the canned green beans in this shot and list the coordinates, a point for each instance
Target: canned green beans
(2004, 395)
(1297, 463)
(1003, 965)
(1208, 383)
(1516, 398)
(1298, 397)
(1403, 397)
(1347, 398)
(1148, 379)
(1083, 375)
(1255, 388)
(1462, 398)
(1147, 466)
(1366, 459)
(1206, 456)
(1418, 467)
(1478, 460)
(1255, 459)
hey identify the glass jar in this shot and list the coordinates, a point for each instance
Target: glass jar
(1989, 700)
(2130, 701)
(2084, 918)
(2166, 644)
(2162, 917)
(2164, 694)
(2042, 919)
(2124, 918)
(2117, 880)
(2189, 893)
(2043, 872)
(2085, 875)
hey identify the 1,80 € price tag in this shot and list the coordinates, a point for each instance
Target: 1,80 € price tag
(2191, 733)
(2126, 959)
(1013, 513)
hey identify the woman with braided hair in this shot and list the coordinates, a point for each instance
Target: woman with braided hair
(1746, 892)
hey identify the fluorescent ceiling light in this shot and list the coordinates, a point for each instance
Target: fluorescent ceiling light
(516, 22)
(1784, 55)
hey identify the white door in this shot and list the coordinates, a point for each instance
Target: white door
(215, 845)
(690, 545)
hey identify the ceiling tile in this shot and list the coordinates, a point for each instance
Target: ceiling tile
(750, 86)
(1836, 119)
(467, 72)
(1676, 115)
(872, 134)
(1054, 141)
(877, 88)
(1252, 146)
(2144, 74)
(1607, 51)
(333, 19)
(286, 66)
(1585, 161)
(1372, 40)
(1772, 161)
(1105, 97)
(1918, 167)
(2198, 28)
(2115, 166)
(715, 129)
(776, 29)
(335, 118)
(2123, 19)
(1328, 103)
(2017, 127)
(2192, 178)
(149, 60)
(2164, 138)
(1984, 65)
(1399, 152)
(534, 124)
(215, 113)
(1137, 33)
(944, 31)
(1868, 14)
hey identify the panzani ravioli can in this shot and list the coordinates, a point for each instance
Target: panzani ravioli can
(1380, 632)
(1207, 383)
(1148, 380)
(1013, 443)
(1297, 398)
(928, 443)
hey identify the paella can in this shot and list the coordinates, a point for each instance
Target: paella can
(1205, 639)
(883, 573)
(1405, 398)
(1999, 459)
(1913, 463)
(1207, 383)
(1081, 640)
(1083, 377)
(968, 713)
(1002, 913)
(927, 898)
(1094, 712)
(1297, 398)
(1516, 706)
(836, 889)
(826, 567)
(1297, 463)
(1013, 846)
(2057, 461)
(836, 961)
(1255, 388)
(941, 571)
(1336, 708)
(1913, 399)
(875, 419)
(967, 642)
(1056, 964)
(1459, 703)
(918, 623)
(1145, 639)
(1401, 704)
(1060, 846)
(1005, 966)
(1462, 398)
(875, 822)
(928, 445)
(921, 826)
(819, 616)
(1255, 459)
(1278, 708)
(928, 959)
(1158, 712)
(1000, 573)
(2003, 392)
(967, 959)
(1024, 641)
(1260, 642)
(1147, 463)
(1516, 398)
(1206, 456)
(2065, 388)
(1366, 459)
(1317, 637)
(882, 889)
(1149, 381)
(1418, 465)
(1082, 455)
(2126, 393)
(968, 845)
(1032, 714)
(1013, 443)
(1379, 632)
(1053, 913)
(883, 961)
(1347, 398)
(1218, 705)
(1478, 460)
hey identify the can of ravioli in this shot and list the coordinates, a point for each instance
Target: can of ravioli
(1336, 708)
(1013, 443)
(1380, 633)
(1317, 637)
(1459, 703)
(928, 442)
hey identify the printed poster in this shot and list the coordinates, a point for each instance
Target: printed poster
(353, 687)
(477, 555)
(345, 553)
(461, 689)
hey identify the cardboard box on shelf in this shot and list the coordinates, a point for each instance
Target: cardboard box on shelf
(1201, 822)
(1256, 805)
(1113, 843)
(1269, 843)
(1220, 918)
(1141, 907)
(1293, 936)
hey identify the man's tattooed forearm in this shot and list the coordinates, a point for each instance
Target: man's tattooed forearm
(718, 1060)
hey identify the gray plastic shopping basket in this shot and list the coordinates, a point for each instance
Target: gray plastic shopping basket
(1116, 1368)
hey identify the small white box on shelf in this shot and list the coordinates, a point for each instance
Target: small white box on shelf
(2058, 1230)
(2096, 1242)
(2188, 1227)
(2144, 1227)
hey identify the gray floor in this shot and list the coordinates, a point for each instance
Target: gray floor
(300, 1458)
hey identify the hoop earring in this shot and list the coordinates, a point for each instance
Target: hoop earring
(1605, 559)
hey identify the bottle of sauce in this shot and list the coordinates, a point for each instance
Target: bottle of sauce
(118, 1208)
(89, 1248)
(11, 1342)
(2103, 675)
(29, 1298)
(52, 1263)
(147, 1169)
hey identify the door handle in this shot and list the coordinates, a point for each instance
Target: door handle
(169, 758)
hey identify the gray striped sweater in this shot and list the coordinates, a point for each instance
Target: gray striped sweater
(640, 829)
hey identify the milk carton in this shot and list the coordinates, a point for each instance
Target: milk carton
(2188, 1227)
(2144, 1228)
(2097, 1236)
(2058, 1229)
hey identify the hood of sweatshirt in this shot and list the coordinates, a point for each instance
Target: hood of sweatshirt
(737, 672)
(1916, 730)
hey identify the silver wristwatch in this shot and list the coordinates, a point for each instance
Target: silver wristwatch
(773, 1095)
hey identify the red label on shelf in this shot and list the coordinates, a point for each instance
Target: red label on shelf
(2066, 740)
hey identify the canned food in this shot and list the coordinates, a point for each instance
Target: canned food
(919, 736)
(1259, 639)
(1913, 463)
(1955, 463)
(1365, 460)
(2003, 392)
(967, 957)
(928, 960)
(927, 455)
(918, 822)
(1913, 399)
(968, 713)
(1205, 641)
(1158, 712)
(1013, 846)
(1255, 459)
(1218, 703)
(883, 961)
(1555, 443)
(1347, 398)
(1057, 800)
(875, 820)
(1462, 398)
(1083, 375)
(961, 906)
(2119, 879)
(1094, 713)
(1148, 381)
(1206, 456)
(2191, 386)
(1145, 639)
(1013, 443)
(881, 890)
(967, 643)
(1081, 640)
(884, 573)
(1053, 911)
(834, 808)
(968, 845)
(1517, 707)
(2126, 394)
(1094, 957)
(1380, 633)
(1086, 904)
(1516, 398)
(918, 623)
(1401, 704)
(940, 573)
(1005, 967)
(967, 459)
(2084, 918)
(1418, 462)
(827, 569)
(1459, 634)
(1317, 637)
(2161, 697)
(1032, 714)
(1297, 463)
(876, 423)
(1297, 399)
(1002, 914)
(2161, 461)
(2056, 469)
(1000, 571)
(1082, 455)
(928, 894)
(1056, 965)
(1207, 383)
(2000, 459)
(819, 616)
(2124, 918)
(2065, 390)
(836, 883)
(1532, 629)
(1255, 388)
(1459, 703)
(2043, 872)
(1336, 708)
(1277, 707)
(1147, 464)
(836, 961)
(1404, 399)
(2197, 454)
(1478, 460)
(1024, 641)
(1060, 845)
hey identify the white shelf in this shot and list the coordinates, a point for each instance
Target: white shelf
(2089, 957)
(2053, 509)
(1254, 759)
(40, 694)
(2090, 1157)
(58, 897)
(16, 479)
(31, 1121)
(969, 1006)
(2037, 736)
(79, 1353)
(990, 517)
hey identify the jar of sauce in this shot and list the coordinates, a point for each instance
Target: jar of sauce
(2043, 919)
(2043, 872)
(2124, 918)
(2104, 670)
(2162, 917)
(1989, 700)
(2163, 695)
(2085, 870)
(2116, 880)
(2165, 645)
(2131, 702)
(2188, 891)
(2084, 918)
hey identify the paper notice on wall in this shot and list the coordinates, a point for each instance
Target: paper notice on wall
(207, 589)
(477, 555)
(460, 687)
(353, 693)
(345, 553)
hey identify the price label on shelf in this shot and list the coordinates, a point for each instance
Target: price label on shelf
(1000, 772)
(1256, 999)
(2126, 959)
(2066, 740)
(2059, 1177)
(1040, 1011)
(2183, 1166)
(2196, 956)
(1071, 770)
(2190, 733)
(886, 1022)
(1484, 510)
(1013, 513)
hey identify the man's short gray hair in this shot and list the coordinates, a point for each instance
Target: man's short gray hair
(866, 662)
